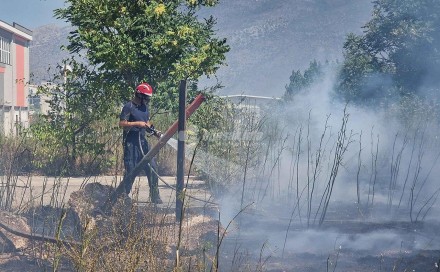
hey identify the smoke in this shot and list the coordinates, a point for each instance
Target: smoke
(290, 188)
(320, 160)
(315, 241)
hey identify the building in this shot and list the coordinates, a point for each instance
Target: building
(38, 103)
(248, 113)
(251, 103)
(14, 77)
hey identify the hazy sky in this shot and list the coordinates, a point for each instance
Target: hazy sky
(29, 13)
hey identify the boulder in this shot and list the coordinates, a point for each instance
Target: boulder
(11, 223)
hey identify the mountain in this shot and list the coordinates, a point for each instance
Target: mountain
(46, 52)
(268, 39)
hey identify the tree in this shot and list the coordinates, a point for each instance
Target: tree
(69, 130)
(401, 41)
(121, 43)
(299, 81)
(358, 70)
(130, 41)
(296, 84)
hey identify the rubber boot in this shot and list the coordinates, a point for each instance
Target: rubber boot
(155, 196)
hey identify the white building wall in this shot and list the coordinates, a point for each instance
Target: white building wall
(13, 114)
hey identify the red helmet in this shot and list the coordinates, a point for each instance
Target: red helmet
(145, 89)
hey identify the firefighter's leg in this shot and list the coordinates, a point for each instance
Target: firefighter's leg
(130, 157)
(131, 154)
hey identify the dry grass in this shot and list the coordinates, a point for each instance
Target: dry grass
(133, 238)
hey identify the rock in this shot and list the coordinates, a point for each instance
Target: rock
(6, 246)
(86, 203)
(10, 242)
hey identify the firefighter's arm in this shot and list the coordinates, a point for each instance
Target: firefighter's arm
(126, 124)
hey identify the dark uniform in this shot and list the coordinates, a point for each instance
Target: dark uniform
(135, 147)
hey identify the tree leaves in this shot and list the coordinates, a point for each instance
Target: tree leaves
(299, 82)
(401, 42)
(153, 41)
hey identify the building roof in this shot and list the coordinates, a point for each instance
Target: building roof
(17, 29)
(244, 96)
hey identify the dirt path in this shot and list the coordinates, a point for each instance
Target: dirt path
(40, 190)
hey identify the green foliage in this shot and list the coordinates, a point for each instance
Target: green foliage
(160, 42)
(296, 84)
(15, 155)
(213, 118)
(229, 133)
(121, 44)
(401, 42)
(168, 101)
(299, 81)
(70, 130)
(358, 69)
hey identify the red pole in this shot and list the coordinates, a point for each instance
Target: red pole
(164, 139)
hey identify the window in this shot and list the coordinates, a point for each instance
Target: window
(5, 50)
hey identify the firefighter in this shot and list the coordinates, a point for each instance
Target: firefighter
(135, 122)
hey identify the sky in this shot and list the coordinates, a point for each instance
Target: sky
(30, 13)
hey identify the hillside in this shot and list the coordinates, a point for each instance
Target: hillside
(268, 39)
(45, 51)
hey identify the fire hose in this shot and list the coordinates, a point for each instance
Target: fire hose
(189, 196)
(158, 134)
(163, 139)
